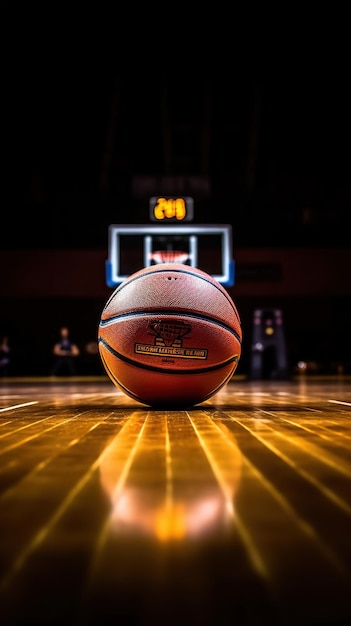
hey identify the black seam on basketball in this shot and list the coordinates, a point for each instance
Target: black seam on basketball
(151, 368)
(130, 280)
(163, 402)
(168, 313)
(118, 383)
(160, 403)
(178, 402)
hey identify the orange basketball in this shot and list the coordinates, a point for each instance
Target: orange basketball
(170, 334)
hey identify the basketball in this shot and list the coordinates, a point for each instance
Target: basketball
(170, 335)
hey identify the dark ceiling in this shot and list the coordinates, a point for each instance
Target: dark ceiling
(88, 137)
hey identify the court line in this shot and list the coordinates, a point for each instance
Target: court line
(18, 406)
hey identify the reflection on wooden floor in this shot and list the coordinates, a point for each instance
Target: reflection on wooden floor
(237, 511)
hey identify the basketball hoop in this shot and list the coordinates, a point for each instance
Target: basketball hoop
(133, 246)
(169, 256)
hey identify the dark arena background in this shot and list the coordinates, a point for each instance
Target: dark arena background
(237, 510)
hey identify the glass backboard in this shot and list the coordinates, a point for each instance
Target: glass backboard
(207, 247)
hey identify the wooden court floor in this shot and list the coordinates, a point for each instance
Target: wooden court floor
(237, 511)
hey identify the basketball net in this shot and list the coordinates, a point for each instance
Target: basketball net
(169, 256)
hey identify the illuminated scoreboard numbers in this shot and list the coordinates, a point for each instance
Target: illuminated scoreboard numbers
(169, 209)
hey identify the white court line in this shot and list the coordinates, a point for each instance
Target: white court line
(18, 406)
(339, 402)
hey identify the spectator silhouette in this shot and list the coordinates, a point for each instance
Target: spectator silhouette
(66, 353)
(5, 352)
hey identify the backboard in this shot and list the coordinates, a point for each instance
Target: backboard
(133, 247)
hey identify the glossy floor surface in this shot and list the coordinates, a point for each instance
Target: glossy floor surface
(237, 511)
